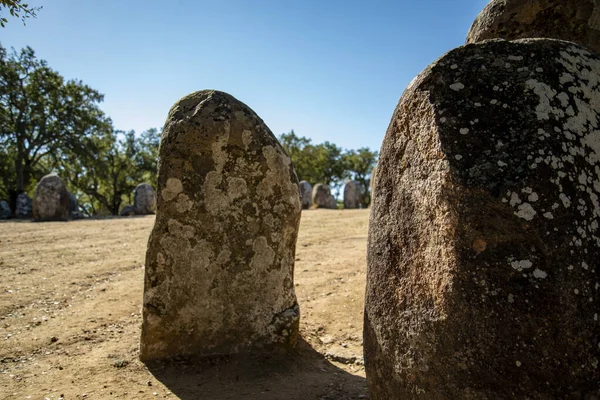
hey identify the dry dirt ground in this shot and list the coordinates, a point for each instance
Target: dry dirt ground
(70, 300)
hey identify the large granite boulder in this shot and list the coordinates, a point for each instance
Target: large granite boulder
(23, 206)
(220, 260)
(573, 20)
(483, 246)
(144, 199)
(51, 200)
(305, 194)
(321, 196)
(4, 210)
(352, 194)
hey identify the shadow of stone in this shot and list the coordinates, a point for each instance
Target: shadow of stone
(302, 375)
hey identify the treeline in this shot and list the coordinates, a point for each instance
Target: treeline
(50, 124)
(327, 163)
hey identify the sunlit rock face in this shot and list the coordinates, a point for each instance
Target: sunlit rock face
(483, 248)
(51, 200)
(220, 259)
(573, 20)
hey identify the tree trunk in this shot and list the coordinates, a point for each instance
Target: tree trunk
(20, 178)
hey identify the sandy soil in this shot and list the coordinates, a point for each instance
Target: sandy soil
(70, 300)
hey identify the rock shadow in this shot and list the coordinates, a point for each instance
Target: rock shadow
(304, 374)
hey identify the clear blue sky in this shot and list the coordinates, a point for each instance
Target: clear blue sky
(330, 70)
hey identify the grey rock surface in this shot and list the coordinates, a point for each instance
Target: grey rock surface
(332, 202)
(23, 207)
(51, 200)
(321, 195)
(305, 194)
(144, 199)
(352, 195)
(220, 259)
(127, 211)
(483, 245)
(573, 20)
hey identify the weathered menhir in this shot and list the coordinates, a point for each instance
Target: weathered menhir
(483, 247)
(220, 259)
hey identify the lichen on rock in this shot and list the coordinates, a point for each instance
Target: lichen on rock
(486, 211)
(573, 20)
(220, 259)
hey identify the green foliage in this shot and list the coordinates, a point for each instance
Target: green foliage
(328, 163)
(111, 166)
(41, 114)
(48, 124)
(17, 9)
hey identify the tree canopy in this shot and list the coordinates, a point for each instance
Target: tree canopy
(17, 9)
(330, 164)
(51, 124)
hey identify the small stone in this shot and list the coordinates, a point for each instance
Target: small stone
(326, 339)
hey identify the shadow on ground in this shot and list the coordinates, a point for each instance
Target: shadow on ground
(304, 375)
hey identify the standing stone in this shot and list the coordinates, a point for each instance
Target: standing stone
(127, 211)
(4, 210)
(220, 259)
(23, 207)
(144, 199)
(483, 247)
(305, 194)
(321, 196)
(573, 20)
(332, 203)
(51, 200)
(352, 195)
